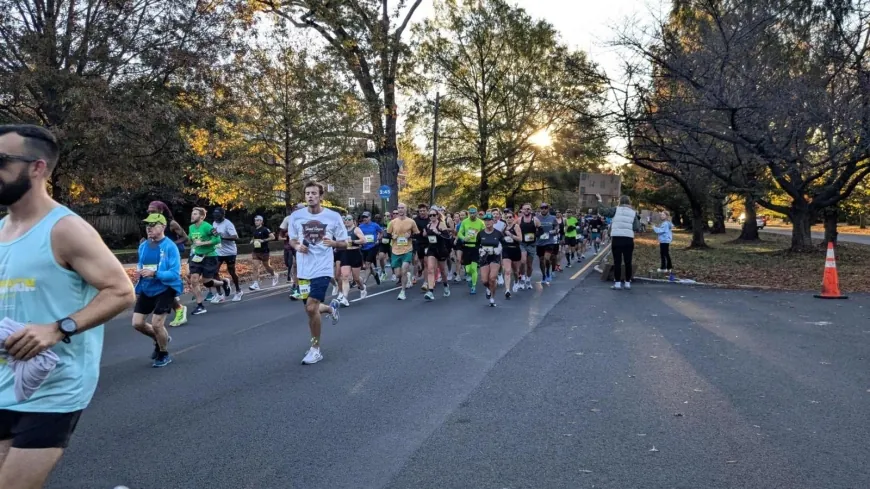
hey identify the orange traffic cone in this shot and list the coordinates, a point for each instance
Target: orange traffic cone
(830, 282)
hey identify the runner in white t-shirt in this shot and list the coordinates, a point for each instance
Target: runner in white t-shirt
(314, 232)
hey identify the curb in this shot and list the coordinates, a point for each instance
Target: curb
(690, 282)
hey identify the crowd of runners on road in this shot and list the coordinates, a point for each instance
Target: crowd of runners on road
(323, 249)
(60, 283)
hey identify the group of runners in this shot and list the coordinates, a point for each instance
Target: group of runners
(322, 248)
(61, 283)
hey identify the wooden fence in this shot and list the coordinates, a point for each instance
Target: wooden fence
(115, 225)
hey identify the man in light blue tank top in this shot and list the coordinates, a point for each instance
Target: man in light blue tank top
(59, 279)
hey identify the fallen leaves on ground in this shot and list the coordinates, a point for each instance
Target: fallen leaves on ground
(765, 263)
(244, 269)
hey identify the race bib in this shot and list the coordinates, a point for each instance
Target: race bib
(385, 240)
(508, 239)
(196, 258)
(489, 250)
(370, 238)
(257, 243)
(304, 288)
(471, 234)
(153, 268)
(433, 239)
(401, 241)
(545, 236)
(530, 237)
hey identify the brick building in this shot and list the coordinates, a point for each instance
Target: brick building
(607, 184)
(358, 187)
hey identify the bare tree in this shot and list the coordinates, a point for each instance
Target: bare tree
(782, 84)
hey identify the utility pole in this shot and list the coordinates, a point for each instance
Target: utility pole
(434, 151)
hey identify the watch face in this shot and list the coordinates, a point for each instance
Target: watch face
(68, 326)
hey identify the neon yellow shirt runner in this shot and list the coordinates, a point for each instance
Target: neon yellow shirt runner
(469, 230)
(571, 221)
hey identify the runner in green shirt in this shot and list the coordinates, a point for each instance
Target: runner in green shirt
(571, 227)
(203, 263)
(468, 231)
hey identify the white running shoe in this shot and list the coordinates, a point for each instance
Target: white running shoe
(446, 290)
(491, 302)
(617, 286)
(395, 278)
(334, 290)
(429, 296)
(238, 296)
(343, 300)
(450, 276)
(627, 286)
(275, 280)
(254, 286)
(217, 299)
(516, 287)
(500, 280)
(313, 356)
(402, 295)
(335, 307)
(363, 293)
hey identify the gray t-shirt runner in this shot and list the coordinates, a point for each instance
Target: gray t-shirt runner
(226, 229)
(548, 230)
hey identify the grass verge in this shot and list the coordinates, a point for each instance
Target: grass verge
(764, 263)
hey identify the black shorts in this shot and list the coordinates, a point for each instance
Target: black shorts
(352, 258)
(229, 260)
(37, 430)
(551, 249)
(384, 248)
(371, 255)
(470, 255)
(338, 255)
(512, 254)
(289, 254)
(420, 249)
(490, 260)
(207, 268)
(160, 304)
(571, 241)
(439, 251)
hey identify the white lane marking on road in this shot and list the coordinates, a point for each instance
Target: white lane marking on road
(601, 254)
(376, 294)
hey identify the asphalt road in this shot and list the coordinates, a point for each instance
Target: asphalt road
(565, 387)
(847, 237)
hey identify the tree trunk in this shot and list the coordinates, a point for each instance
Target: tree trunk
(388, 169)
(56, 190)
(750, 226)
(801, 221)
(484, 193)
(511, 202)
(831, 216)
(698, 223)
(862, 221)
(718, 217)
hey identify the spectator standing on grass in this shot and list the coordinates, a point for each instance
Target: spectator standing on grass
(622, 230)
(666, 236)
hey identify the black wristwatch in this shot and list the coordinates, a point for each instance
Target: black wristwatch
(68, 327)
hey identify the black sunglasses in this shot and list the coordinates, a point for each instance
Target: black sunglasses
(5, 159)
(153, 224)
(433, 215)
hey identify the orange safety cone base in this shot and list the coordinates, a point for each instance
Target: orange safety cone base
(819, 296)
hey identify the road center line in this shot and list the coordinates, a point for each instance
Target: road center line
(601, 254)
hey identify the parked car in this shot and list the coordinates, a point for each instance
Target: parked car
(759, 221)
